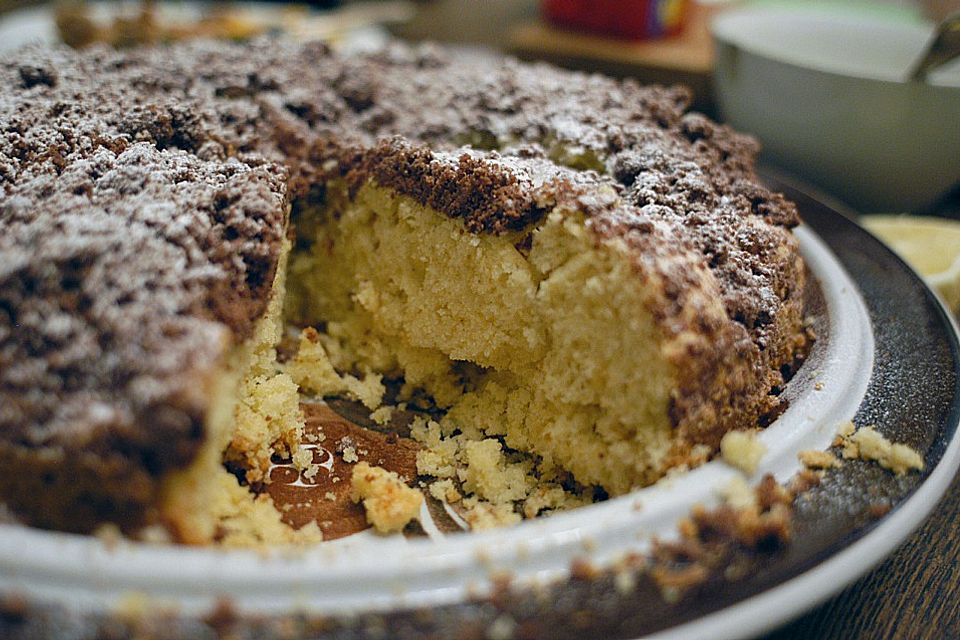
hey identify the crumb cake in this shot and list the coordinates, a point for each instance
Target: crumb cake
(580, 283)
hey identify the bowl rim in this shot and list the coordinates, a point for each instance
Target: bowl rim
(726, 29)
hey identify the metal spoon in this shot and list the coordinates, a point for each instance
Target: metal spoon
(944, 47)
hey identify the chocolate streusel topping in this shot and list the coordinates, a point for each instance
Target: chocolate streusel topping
(127, 262)
(144, 197)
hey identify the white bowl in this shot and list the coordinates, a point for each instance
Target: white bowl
(827, 94)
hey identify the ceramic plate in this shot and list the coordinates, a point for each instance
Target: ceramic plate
(886, 354)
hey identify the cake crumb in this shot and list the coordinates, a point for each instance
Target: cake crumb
(369, 391)
(481, 515)
(313, 372)
(315, 438)
(493, 486)
(845, 430)
(867, 443)
(390, 504)
(303, 462)
(804, 480)
(109, 534)
(350, 454)
(382, 415)
(583, 569)
(311, 471)
(624, 581)
(743, 450)
(711, 540)
(502, 628)
(267, 421)
(815, 459)
(738, 494)
(311, 369)
(155, 534)
(445, 491)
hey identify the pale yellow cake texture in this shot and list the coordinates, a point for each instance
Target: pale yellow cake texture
(867, 443)
(738, 494)
(482, 515)
(382, 415)
(255, 412)
(267, 418)
(539, 357)
(845, 430)
(445, 491)
(538, 349)
(488, 485)
(389, 503)
(312, 370)
(743, 450)
(816, 459)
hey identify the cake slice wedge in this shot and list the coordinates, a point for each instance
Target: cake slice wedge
(532, 303)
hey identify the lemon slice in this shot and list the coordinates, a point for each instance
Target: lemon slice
(930, 245)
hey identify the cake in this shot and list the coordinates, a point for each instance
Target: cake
(581, 284)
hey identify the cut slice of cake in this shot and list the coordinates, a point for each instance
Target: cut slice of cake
(531, 302)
